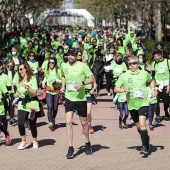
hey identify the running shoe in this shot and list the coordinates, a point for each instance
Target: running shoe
(70, 153)
(125, 125)
(8, 139)
(120, 127)
(91, 130)
(88, 149)
(12, 121)
(157, 120)
(35, 145)
(51, 126)
(109, 94)
(144, 150)
(22, 145)
(151, 127)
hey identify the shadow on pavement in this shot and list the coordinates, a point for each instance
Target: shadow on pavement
(131, 125)
(158, 125)
(95, 148)
(41, 124)
(45, 142)
(152, 149)
(98, 127)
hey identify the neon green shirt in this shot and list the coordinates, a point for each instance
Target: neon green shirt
(162, 74)
(137, 95)
(117, 69)
(50, 75)
(73, 74)
(3, 90)
(23, 92)
(34, 66)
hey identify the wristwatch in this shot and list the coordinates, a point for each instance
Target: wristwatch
(83, 83)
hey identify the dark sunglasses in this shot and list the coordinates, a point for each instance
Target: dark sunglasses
(20, 69)
(51, 62)
(132, 63)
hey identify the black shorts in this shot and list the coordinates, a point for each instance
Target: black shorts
(143, 111)
(79, 106)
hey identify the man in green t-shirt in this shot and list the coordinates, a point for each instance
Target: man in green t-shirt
(161, 74)
(75, 75)
(134, 82)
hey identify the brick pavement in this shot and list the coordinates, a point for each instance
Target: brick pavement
(112, 148)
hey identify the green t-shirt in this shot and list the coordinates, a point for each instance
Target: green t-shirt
(162, 74)
(16, 78)
(121, 97)
(34, 66)
(152, 100)
(118, 69)
(16, 61)
(23, 92)
(59, 58)
(7, 82)
(137, 95)
(44, 65)
(50, 75)
(73, 74)
(3, 90)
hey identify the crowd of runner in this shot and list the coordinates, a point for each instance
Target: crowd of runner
(72, 64)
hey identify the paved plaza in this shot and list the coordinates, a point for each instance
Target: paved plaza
(113, 149)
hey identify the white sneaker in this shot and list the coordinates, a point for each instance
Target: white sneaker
(22, 145)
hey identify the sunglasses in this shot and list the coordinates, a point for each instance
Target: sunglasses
(132, 63)
(51, 63)
(20, 69)
(10, 66)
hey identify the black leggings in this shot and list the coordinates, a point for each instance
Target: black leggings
(165, 99)
(3, 124)
(52, 104)
(108, 81)
(22, 116)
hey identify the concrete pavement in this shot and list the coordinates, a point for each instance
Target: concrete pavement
(112, 148)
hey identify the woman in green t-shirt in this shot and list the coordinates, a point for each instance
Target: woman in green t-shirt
(51, 83)
(33, 63)
(10, 72)
(28, 104)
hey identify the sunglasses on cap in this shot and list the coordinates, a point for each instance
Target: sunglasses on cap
(133, 63)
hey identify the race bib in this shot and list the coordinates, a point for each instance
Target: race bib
(123, 97)
(71, 86)
(23, 41)
(118, 70)
(138, 93)
(16, 62)
(161, 70)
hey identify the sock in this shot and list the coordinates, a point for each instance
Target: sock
(144, 137)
